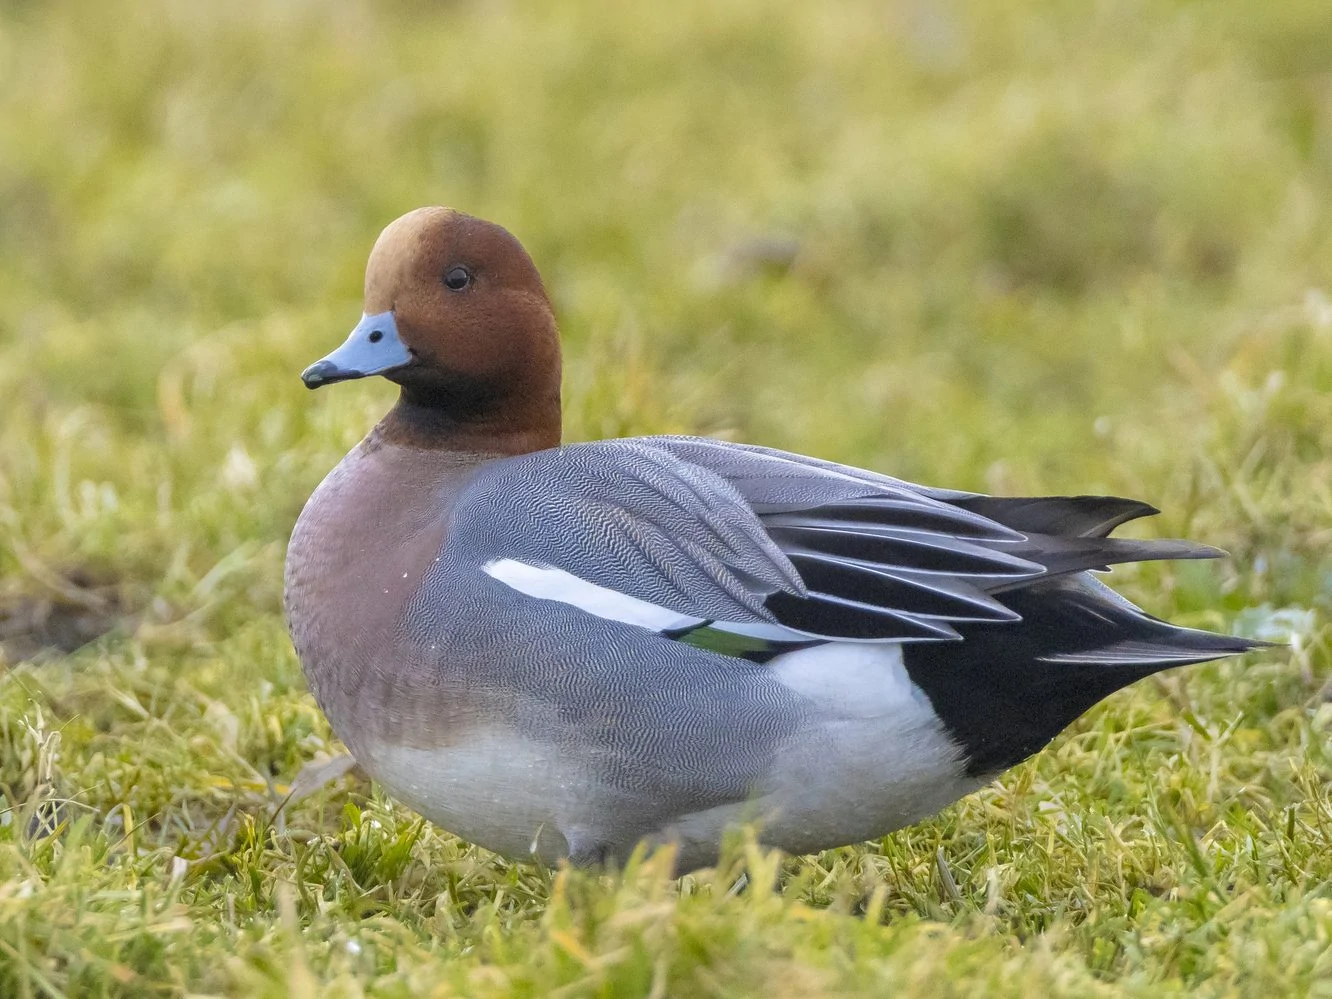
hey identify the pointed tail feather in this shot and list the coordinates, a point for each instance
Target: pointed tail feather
(1062, 556)
(1063, 516)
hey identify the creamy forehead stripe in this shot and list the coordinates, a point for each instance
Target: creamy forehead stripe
(548, 583)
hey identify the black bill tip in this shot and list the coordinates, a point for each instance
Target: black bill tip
(325, 372)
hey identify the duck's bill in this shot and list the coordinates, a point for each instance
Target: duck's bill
(373, 348)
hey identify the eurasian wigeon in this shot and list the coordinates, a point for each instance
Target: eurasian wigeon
(563, 650)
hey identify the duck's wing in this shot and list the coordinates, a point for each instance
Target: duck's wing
(931, 557)
(639, 531)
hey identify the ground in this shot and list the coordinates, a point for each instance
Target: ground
(1021, 247)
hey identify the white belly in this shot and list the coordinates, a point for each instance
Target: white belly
(500, 790)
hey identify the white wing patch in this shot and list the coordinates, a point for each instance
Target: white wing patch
(548, 583)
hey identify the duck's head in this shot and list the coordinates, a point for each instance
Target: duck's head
(455, 313)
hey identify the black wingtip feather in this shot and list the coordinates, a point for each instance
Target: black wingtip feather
(826, 615)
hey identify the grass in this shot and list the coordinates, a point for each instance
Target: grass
(1012, 246)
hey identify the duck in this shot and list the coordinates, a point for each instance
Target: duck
(561, 651)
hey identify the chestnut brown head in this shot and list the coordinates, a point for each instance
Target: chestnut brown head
(456, 314)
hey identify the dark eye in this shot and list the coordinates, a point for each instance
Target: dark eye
(457, 278)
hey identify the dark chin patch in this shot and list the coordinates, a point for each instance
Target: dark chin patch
(450, 393)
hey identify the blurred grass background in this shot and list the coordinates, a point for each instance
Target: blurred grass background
(1016, 246)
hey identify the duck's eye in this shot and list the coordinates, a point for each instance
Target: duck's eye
(457, 278)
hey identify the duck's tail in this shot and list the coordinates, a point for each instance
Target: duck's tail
(1006, 690)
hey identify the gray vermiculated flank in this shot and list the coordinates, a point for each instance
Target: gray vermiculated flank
(673, 728)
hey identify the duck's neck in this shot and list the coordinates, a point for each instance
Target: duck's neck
(517, 428)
